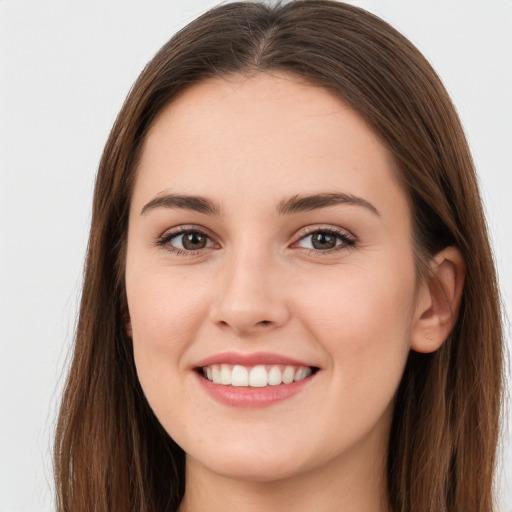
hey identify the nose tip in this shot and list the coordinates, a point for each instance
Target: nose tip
(244, 322)
(249, 301)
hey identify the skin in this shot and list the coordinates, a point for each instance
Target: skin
(249, 144)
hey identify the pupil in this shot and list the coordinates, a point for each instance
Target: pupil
(193, 241)
(323, 241)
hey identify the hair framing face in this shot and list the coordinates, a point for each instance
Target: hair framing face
(438, 459)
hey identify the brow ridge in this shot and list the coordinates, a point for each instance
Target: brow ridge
(295, 204)
(196, 203)
(298, 203)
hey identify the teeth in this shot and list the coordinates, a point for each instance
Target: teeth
(256, 376)
(301, 374)
(216, 374)
(225, 374)
(240, 376)
(288, 375)
(274, 376)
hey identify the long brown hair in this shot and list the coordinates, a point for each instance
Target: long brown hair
(111, 454)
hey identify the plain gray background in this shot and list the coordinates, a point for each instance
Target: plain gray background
(65, 68)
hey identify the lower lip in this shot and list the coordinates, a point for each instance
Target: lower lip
(252, 397)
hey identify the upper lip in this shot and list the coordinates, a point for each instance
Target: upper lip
(250, 359)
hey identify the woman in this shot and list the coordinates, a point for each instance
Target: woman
(289, 299)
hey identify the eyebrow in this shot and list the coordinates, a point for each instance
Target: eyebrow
(298, 203)
(196, 203)
(295, 204)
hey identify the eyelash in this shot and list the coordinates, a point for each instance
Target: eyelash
(347, 241)
(164, 241)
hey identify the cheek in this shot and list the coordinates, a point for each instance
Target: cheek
(363, 325)
(165, 313)
(363, 320)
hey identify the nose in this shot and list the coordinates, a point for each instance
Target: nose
(250, 298)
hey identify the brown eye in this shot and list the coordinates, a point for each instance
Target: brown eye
(185, 242)
(323, 241)
(193, 241)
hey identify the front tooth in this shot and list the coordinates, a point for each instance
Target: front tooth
(258, 377)
(274, 376)
(302, 373)
(288, 375)
(239, 376)
(225, 374)
(215, 374)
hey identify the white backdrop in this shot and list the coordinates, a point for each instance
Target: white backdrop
(65, 68)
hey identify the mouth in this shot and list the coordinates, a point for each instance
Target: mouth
(257, 376)
(253, 380)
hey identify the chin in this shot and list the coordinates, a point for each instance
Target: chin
(247, 468)
(252, 458)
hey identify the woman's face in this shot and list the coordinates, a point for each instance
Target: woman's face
(269, 240)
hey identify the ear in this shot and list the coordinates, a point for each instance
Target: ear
(438, 301)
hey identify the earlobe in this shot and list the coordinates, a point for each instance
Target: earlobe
(438, 301)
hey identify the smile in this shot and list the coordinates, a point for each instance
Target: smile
(258, 376)
(253, 380)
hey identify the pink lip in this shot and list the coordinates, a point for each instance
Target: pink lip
(247, 396)
(252, 397)
(250, 359)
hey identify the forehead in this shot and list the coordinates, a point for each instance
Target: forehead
(264, 134)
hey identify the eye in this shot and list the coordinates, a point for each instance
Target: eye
(326, 240)
(185, 241)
